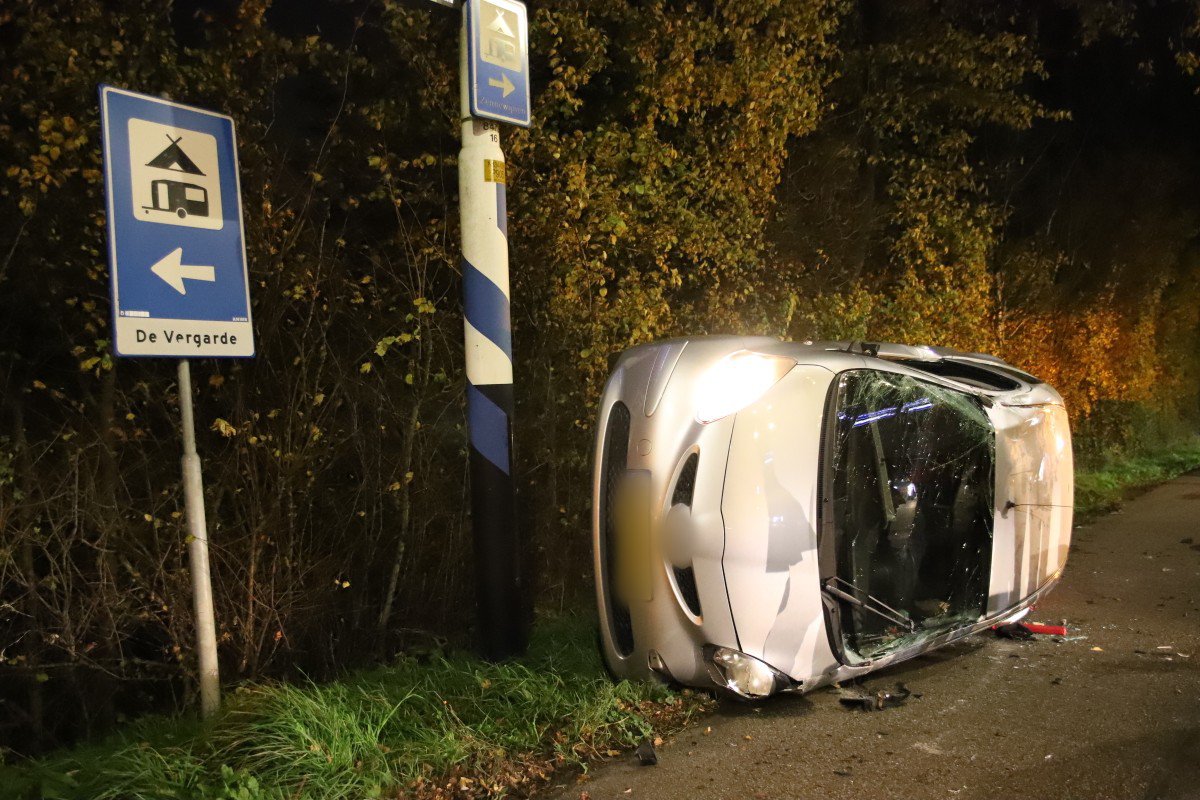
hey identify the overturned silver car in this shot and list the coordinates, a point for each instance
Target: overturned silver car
(773, 516)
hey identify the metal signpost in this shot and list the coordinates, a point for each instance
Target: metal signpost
(177, 264)
(494, 82)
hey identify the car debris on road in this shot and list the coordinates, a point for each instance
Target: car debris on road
(646, 754)
(1023, 631)
(878, 701)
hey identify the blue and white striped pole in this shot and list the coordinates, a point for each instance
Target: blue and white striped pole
(488, 336)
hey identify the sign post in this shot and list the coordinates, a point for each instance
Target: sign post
(177, 267)
(494, 84)
(202, 601)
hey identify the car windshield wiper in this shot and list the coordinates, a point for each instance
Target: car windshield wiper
(872, 604)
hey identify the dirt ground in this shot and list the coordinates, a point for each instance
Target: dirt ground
(1113, 715)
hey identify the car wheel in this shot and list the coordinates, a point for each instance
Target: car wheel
(182, 213)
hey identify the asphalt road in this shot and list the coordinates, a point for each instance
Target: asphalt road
(1114, 715)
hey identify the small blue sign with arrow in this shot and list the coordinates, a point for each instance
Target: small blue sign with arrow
(498, 60)
(177, 257)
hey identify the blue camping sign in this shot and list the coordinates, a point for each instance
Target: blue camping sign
(177, 256)
(498, 60)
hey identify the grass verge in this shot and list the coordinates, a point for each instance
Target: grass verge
(435, 727)
(1101, 489)
(444, 726)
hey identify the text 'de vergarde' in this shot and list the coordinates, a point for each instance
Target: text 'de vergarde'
(196, 340)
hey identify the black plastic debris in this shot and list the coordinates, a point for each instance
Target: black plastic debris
(646, 755)
(1013, 630)
(878, 701)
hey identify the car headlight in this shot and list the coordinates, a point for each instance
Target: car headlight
(736, 381)
(742, 674)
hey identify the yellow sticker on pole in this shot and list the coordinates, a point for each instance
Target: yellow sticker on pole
(494, 171)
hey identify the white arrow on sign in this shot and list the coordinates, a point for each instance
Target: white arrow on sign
(504, 83)
(172, 270)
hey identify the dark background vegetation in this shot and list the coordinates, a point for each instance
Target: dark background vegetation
(1019, 178)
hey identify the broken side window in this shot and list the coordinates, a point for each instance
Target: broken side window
(909, 486)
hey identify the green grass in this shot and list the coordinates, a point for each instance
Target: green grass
(1102, 488)
(411, 727)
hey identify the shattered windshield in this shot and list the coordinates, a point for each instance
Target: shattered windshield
(909, 487)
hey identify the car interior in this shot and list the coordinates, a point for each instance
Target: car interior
(909, 491)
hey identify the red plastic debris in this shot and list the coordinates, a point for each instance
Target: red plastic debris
(1024, 630)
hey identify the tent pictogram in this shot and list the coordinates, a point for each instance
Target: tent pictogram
(174, 158)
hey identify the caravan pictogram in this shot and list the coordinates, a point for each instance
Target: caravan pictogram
(174, 176)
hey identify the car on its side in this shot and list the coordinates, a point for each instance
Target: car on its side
(773, 516)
